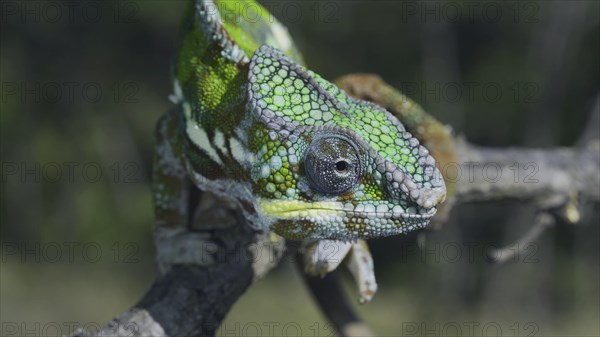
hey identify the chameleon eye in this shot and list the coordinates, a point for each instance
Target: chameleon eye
(332, 164)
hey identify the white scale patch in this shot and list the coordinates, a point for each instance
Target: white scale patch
(177, 96)
(220, 141)
(200, 138)
(238, 151)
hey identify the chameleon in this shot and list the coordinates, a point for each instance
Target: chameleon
(297, 155)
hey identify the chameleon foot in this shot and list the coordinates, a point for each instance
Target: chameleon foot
(360, 264)
(324, 256)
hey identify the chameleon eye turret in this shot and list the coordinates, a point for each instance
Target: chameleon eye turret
(332, 164)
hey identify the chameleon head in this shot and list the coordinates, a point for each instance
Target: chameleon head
(330, 166)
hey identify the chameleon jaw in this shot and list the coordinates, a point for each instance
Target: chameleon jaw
(294, 208)
(341, 221)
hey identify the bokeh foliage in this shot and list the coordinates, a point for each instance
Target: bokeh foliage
(543, 55)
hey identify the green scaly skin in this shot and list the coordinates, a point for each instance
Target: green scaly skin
(295, 153)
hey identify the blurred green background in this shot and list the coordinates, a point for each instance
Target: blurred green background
(83, 84)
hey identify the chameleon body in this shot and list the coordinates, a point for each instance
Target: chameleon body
(297, 155)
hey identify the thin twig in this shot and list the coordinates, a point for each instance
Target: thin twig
(542, 221)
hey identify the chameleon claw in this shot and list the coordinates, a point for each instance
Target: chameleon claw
(324, 256)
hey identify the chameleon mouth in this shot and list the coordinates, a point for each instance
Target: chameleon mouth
(298, 220)
(397, 215)
(323, 209)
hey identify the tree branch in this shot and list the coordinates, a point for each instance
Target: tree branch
(187, 301)
(541, 176)
(327, 292)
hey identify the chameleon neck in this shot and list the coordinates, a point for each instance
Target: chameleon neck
(211, 73)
